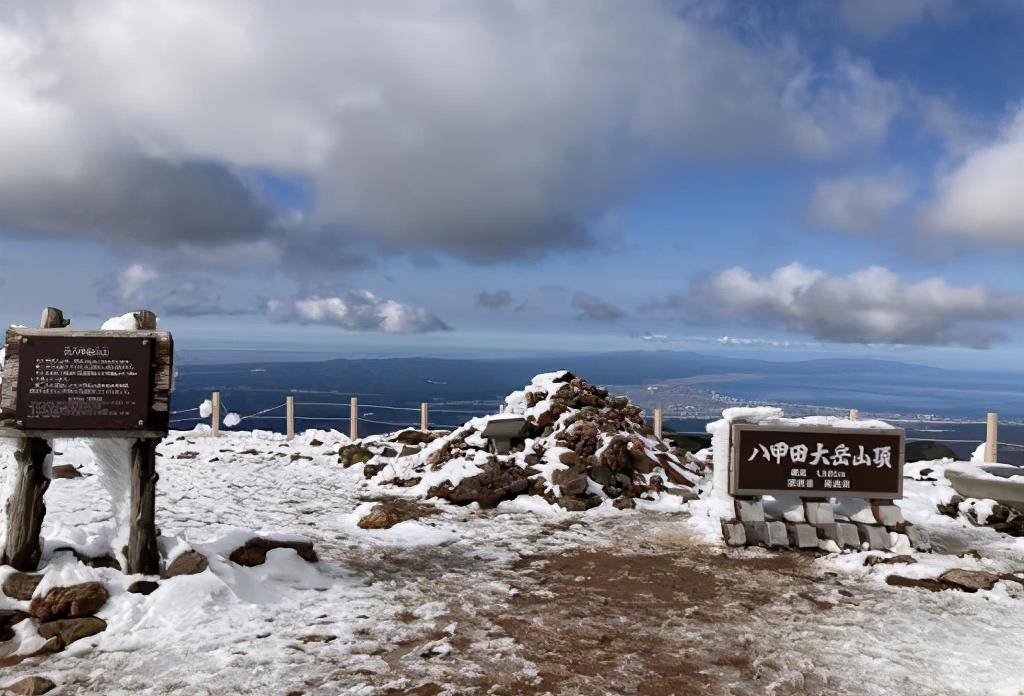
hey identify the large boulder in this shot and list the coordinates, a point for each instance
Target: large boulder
(354, 454)
(254, 552)
(31, 686)
(74, 601)
(70, 630)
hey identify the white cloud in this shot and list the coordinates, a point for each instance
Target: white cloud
(858, 203)
(482, 130)
(983, 196)
(869, 306)
(356, 310)
(133, 279)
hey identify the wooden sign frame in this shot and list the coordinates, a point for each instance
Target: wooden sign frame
(896, 436)
(156, 420)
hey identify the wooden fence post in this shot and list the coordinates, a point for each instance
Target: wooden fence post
(992, 438)
(424, 418)
(657, 423)
(289, 413)
(353, 419)
(854, 414)
(215, 414)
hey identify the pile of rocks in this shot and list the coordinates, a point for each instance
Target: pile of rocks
(578, 447)
(821, 527)
(1002, 518)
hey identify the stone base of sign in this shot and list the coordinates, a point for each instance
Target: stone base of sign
(802, 536)
(819, 512)
(876, 537)
(844, 534)
(887, 514)
(757, 533)
(734, 533)
(778, 535)
(749, 510)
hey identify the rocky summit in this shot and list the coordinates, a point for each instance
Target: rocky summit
(578, 447)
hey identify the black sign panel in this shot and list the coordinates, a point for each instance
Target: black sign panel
(816, 462)
(84, 383)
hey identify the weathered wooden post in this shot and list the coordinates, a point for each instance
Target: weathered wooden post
(854, 414)
(215, 414)
(424, 418)
(657, 423)
(143, 555)
(289, 416)
(353, 418)
(992, 438)
(25, 507)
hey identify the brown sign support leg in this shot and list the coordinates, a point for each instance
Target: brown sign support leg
(143, 556)
(25, 507)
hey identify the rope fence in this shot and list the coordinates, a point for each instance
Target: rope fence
(219, 412)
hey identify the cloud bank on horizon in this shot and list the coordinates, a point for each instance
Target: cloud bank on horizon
(211, 154)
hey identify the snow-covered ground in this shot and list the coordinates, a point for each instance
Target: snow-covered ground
(524, 598)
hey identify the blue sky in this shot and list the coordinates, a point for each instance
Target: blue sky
(785, 179)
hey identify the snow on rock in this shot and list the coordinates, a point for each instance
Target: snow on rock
(125, 322)
(580, 447)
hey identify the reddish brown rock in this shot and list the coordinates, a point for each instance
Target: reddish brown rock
(31, 686)
(20, 585)
(67, 631)
(74, 601)
(143, 587)
(387, 514)
(188, 563)
(64, 471)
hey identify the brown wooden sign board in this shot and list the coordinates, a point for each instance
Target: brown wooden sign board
(815, 462)
(95, 383)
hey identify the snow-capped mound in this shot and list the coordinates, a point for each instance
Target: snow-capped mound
(579, 447)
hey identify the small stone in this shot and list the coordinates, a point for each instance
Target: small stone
(875, 536)
(749, 510)
(778, 535)
(969, 580)
(624, 503)
(254, 552)
(143, 587)
(923, 583)
(734, 533)
(64, 471)
(889, 560)
(31, 686)
(74, 601)
(579, 503)
(387, 514)
(802, 536)
(20, 585)
(188, 563)
(70, 630)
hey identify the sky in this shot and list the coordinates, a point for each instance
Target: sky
(777, 179)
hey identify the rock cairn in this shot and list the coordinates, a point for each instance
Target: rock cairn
(578, 448)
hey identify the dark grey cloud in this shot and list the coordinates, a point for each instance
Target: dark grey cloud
(499, 299)
(595, 309)
(869, 306)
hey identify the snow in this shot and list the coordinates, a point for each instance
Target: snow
(125, 322)
(410, 605)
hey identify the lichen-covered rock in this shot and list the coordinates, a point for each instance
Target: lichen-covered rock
(495, 484)
(84, 599)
